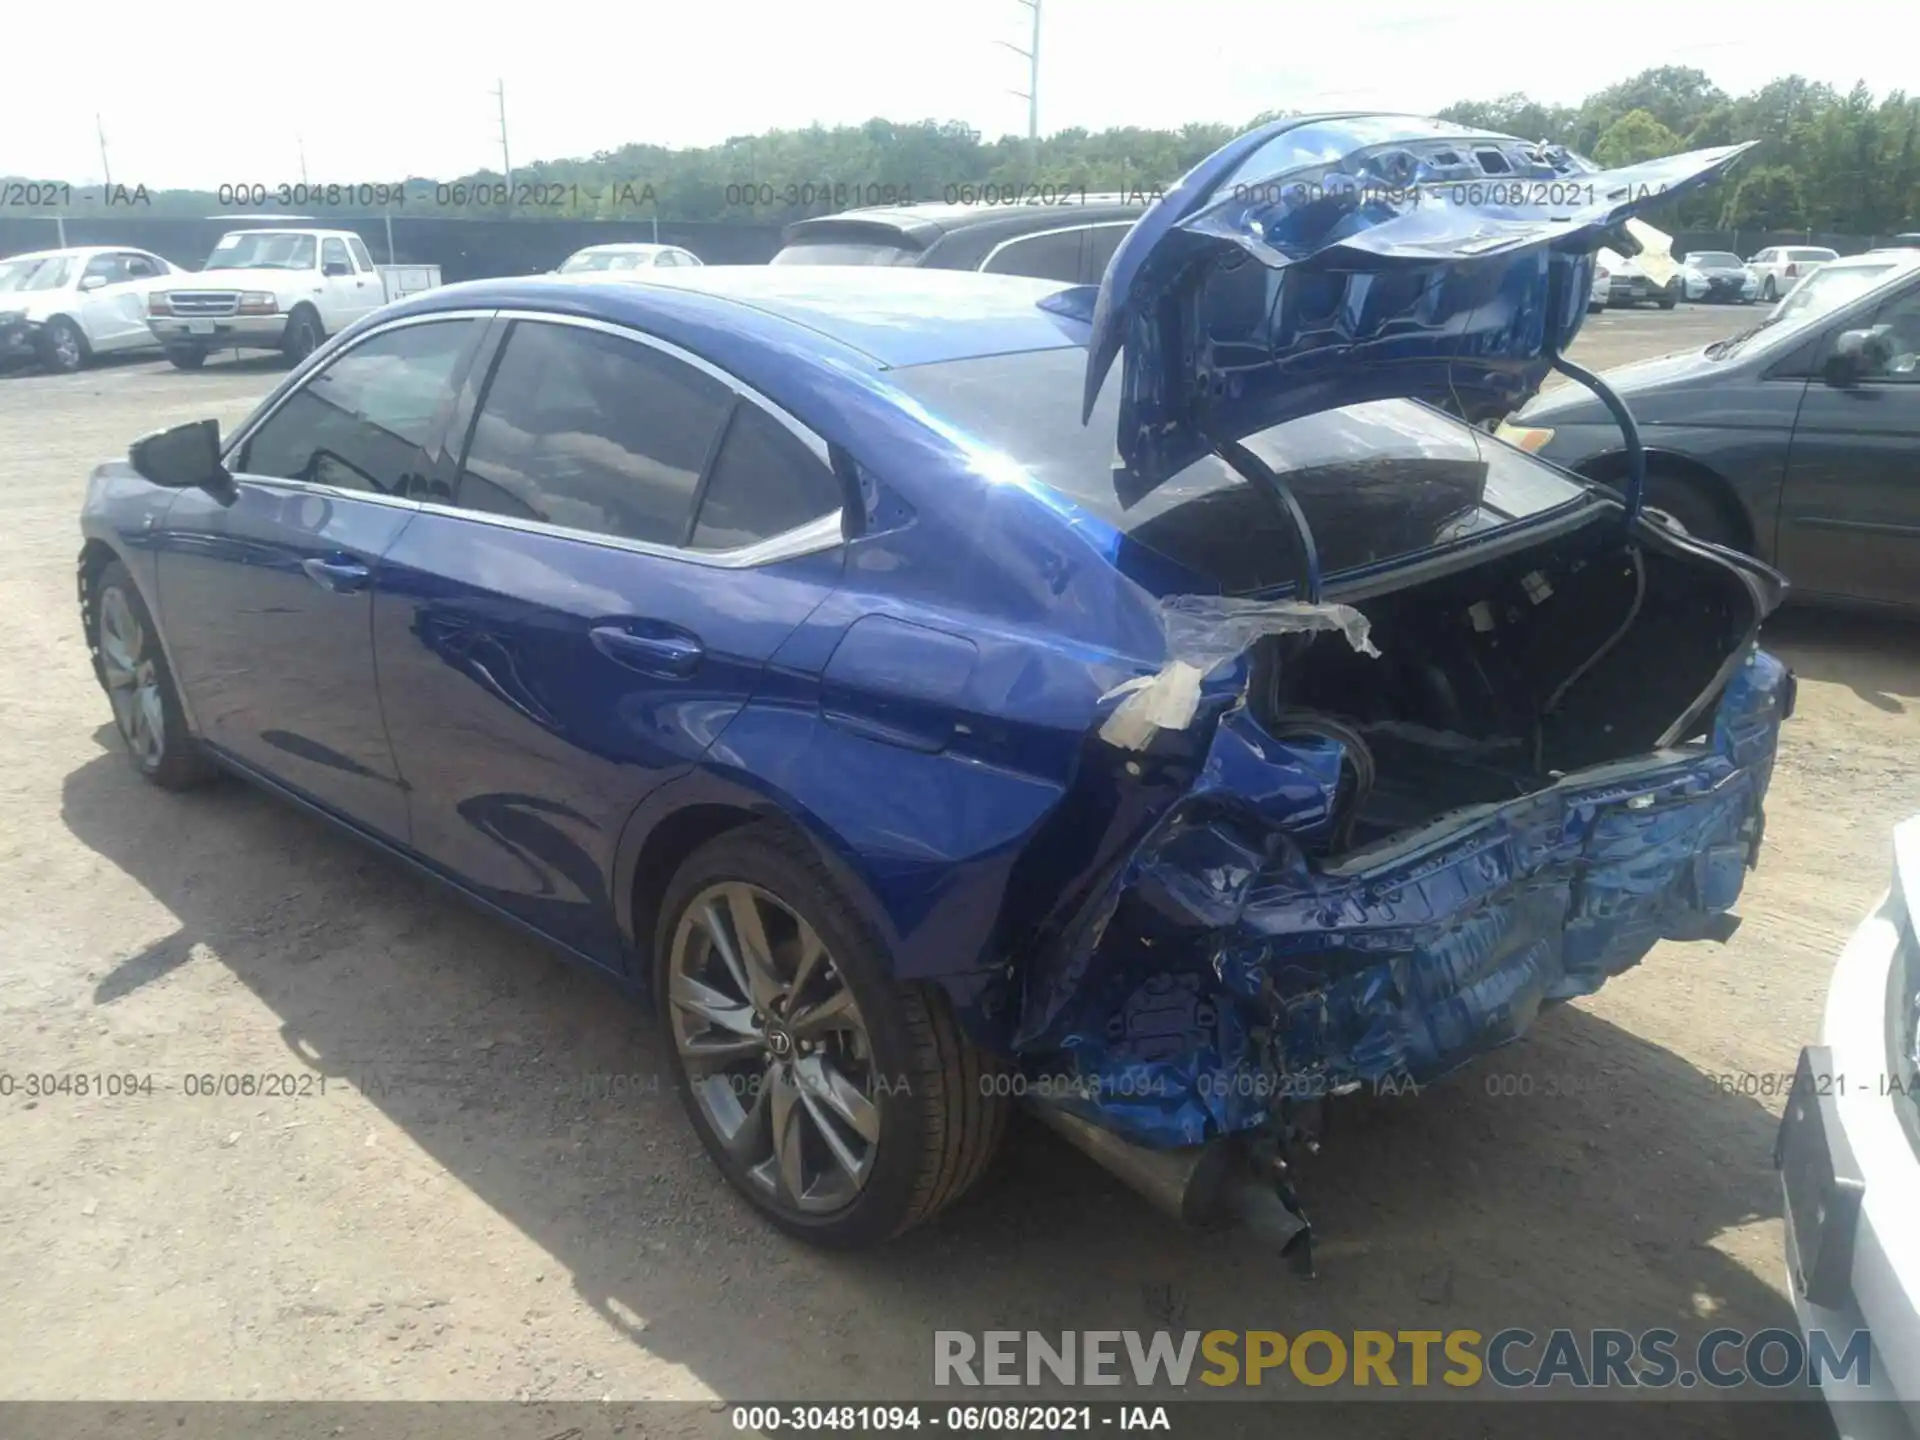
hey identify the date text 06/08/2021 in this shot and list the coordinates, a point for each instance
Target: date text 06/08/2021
(956, 1419)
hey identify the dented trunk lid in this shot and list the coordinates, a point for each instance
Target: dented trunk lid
(1322, 261)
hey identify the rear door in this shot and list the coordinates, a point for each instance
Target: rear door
(268, 601)
(559, 634)
(1044, 255)
(1850, 509)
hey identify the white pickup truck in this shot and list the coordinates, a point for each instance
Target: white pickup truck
(278, 289)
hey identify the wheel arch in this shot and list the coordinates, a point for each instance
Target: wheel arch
(1610, 468)
(96, 554)
(688, 812)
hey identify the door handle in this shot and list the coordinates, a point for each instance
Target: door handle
(341, 576)
(651, 654)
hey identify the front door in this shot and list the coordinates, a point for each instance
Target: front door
(1850, 509)
(268, 601)
(111, 304)
(556, 635)
(345, 293)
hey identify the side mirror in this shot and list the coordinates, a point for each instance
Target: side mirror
(1857, 353)
(187, 457)
(92, 282)
(336, 267)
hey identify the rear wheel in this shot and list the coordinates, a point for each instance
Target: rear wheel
(1768, 290)
(844, 1106)
(133, 670)
(63, 349)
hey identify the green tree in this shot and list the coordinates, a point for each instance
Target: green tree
(1634, 137)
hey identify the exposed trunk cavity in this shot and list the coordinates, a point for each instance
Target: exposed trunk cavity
(1496, 682)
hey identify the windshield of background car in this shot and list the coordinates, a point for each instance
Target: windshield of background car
(1716, 260)
(1828, 288)
(855, 252)
(1377, 481)
(606, 260)
(49, 273)
(262, 251)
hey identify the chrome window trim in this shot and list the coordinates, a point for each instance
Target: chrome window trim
(822, 533)
(1057, 230)
(825, 533)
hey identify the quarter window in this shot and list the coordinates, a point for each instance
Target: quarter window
(764, 483)
(363, 423)
(1055, 256)
(584, 429)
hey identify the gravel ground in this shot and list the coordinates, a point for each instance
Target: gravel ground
(471, 1210)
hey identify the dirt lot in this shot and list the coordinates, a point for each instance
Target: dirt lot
(468, 1211)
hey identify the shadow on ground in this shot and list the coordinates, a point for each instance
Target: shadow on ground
(1581, 1178)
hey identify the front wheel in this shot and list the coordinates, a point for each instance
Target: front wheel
(182, 359)
(844, 1106)
(1670, 296)
(63, 349)
(303, 336)
(1769, 291)
(133, 671)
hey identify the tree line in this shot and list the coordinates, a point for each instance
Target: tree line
(1829, 161)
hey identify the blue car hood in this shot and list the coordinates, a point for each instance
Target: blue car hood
(1325, 260)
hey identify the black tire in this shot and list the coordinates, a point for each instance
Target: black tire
(183, 359)
(172, 759)
(1768, 290)
(1688, 499)
(62, 347)
(941, 1114)
(1670, 296)
(303, 336)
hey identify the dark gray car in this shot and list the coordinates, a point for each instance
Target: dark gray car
(1797, 440)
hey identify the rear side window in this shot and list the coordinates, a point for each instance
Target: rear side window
(360, 255)
(587, 430)
(1102, 241)
(1054, 255)
(765, 482)
(363, 423)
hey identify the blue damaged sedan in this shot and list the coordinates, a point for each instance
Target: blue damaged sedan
(1158, 701)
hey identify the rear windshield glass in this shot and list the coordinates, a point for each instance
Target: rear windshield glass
(1812, 254)
(1716, 260)
(1377, 481)
(848, 252)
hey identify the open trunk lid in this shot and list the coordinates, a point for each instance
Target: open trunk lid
(1321, 261)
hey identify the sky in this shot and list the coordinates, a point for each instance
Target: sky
(375, 93)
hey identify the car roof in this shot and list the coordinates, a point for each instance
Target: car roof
(625, 247)
(926, 222)
(890, 316)
(75, 251)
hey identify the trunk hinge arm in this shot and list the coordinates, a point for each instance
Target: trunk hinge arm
(1255, 471)
(1636, 491)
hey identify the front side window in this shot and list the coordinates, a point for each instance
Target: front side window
(364, 422)
(593, 432)
(1898, 324)
(333, 256)
(765, 482)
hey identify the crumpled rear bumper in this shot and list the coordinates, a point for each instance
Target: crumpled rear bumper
(1225, 974)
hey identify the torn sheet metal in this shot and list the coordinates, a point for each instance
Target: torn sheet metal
(1225, 971)
(1204, 632)
(1391, 257)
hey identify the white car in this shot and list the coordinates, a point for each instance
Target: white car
(62, 307)
(634, 256)
(1602, 282)
(1718, 275)
(1779, 268)
(1849, 1160)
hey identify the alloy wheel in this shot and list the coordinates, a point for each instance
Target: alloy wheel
(774, 1049)
(64, 342)
(133, 681)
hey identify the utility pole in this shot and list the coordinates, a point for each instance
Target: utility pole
(506, 156)
(1032, 93)
(301, 141)
(106, 170)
